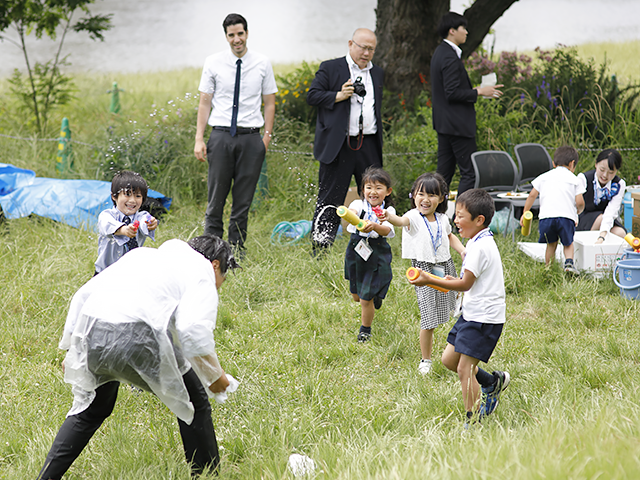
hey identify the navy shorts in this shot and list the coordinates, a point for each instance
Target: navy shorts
(475, 339)
(557, 227)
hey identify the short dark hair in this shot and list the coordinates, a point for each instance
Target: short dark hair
(613, 158)
(214, 248)
(127, 181)
(477, 202)
(234, 19)
(432, 183)
(563, 156)
(373, 175)
(451, 20)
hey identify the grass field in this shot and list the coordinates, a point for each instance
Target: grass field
(287, 330)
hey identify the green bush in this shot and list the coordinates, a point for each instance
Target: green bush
(291, 99)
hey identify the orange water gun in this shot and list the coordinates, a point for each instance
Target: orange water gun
(413, 273)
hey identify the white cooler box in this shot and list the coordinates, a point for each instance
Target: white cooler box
(588, 257)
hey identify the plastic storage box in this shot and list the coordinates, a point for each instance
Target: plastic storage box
(601, 259)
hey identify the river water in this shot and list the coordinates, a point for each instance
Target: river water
(152, 35)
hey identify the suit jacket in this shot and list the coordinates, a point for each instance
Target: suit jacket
(452, 95)
(333, 118)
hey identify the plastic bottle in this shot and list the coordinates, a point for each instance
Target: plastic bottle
(526, 223)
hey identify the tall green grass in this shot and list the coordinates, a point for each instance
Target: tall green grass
(287, 329)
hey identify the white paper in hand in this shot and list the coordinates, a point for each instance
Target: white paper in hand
(233, 386)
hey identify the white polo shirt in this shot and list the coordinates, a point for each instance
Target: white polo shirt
(558, 189)
(219, 78)
(485, 302)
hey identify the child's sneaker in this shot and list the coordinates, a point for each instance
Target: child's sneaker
(363, 337)
(425, 366)
(569, 267)
(492, 393)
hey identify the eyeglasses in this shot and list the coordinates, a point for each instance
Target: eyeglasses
(366, 49)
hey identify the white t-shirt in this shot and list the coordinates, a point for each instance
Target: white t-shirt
(485, 300)
(558, 189)
(219, 78)
(418, 239)
(358, 205)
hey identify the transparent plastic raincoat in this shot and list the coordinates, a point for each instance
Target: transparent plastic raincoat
(146, 320)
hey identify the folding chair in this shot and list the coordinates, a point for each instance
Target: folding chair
(533, 160)
(496, 172)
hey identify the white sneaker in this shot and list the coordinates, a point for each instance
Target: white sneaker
(425, 366)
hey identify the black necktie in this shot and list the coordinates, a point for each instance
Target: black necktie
(236, 96)
(132, 243)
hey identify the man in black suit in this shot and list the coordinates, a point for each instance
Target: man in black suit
(454, 115)
(348, 94)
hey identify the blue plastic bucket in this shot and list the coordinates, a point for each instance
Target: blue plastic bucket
(630, 254)
(628, 273)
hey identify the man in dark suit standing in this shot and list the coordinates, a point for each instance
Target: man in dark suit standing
(453, 98)
(348, 94)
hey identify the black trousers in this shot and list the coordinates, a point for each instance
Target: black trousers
(334, 179)
(199, 438)
(452, 151)
(238, 161)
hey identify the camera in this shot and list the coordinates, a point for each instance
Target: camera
(358, 87)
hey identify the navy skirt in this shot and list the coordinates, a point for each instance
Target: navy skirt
(371, 278)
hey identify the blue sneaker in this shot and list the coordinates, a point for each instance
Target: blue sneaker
(492, 394)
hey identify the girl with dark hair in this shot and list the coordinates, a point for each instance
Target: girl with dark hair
(367, 262)
(426, 238)
(604, 195)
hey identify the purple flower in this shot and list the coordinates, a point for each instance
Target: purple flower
(535, 104)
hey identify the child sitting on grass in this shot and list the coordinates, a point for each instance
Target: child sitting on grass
(560, 203)
(367, 261)
(124, 227)
(476, 333)
(426, 240)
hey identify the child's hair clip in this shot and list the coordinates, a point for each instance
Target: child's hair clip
(410, 195)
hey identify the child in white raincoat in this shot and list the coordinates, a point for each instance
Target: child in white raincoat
(156, 334)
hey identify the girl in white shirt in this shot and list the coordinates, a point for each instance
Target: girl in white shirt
(426, 238)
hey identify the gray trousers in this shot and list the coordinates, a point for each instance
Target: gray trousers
(232, 161)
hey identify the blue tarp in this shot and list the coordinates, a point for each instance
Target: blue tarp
(74, 202)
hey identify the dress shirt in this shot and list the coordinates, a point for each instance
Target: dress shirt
(358, 103)
(219, 77)
(455, 47)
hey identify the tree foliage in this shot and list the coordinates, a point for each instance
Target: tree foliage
(45, 86)
(407, 37)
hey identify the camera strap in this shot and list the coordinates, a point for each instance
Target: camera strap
(360, 130)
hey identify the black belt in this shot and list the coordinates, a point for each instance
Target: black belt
(239, 130)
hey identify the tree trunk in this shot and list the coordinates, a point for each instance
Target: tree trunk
(407, 37)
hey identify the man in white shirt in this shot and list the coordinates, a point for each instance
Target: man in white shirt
(348, 94)
(233, 86)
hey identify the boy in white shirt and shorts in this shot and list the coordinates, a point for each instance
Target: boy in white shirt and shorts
(561, 202)
(483, 310)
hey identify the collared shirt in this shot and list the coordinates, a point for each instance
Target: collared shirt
(359, 104)
(111, 247)
(219, 78)
(485, 301)
(455, 47)
(611, 212)
(359, 205)
(558, 189)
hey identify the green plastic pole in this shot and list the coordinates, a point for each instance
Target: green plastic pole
(64, 160)
(114, 106)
